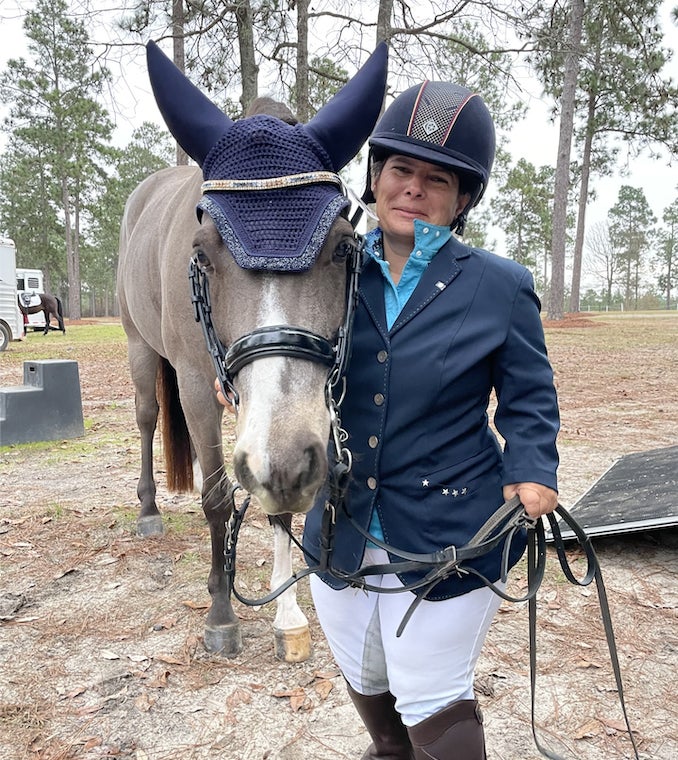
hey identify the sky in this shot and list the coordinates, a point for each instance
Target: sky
(535, 139)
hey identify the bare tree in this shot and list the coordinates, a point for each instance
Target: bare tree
(179, 50)
(602, 262)
(561, 187)
(301, 88)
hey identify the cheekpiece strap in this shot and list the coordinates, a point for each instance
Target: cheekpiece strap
(271, 183)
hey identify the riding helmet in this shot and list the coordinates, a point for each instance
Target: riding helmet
(442, 123)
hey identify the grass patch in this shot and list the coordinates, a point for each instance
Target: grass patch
(125, 517)
(104, 338)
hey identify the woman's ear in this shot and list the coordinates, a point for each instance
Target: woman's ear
(462, 203)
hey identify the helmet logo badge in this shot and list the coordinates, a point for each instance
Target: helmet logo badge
(430, 126)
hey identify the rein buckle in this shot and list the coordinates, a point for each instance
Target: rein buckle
(447, 556)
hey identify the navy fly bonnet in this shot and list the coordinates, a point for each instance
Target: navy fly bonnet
(281, 224)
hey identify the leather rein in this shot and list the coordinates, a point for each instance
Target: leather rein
(500, 527)
(510, 518)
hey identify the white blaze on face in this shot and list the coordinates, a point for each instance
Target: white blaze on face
(278, 413)
(265, 375)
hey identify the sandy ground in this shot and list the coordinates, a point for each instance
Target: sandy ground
(101, 653)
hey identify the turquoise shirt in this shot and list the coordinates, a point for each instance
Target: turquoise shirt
(428, 240)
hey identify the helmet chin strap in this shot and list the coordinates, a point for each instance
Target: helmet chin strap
(459, 223)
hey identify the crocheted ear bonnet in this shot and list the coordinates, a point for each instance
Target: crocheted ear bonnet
(284, 228)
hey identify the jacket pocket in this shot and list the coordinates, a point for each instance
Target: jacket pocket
(465, 477)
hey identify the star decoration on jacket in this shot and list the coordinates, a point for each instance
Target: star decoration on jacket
(424, 483)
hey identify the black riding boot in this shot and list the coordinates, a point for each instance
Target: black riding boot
(455, 733)
(389, 736)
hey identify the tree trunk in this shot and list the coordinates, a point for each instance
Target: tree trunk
(562, 177)
(72, 262)
(384, 21)
(249, 71)
(179, 53)
(581, 214)
(301, 87)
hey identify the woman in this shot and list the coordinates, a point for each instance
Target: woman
(438, 326)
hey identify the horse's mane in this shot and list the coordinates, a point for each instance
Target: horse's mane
(266, 105)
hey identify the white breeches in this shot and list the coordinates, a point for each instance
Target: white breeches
(430, 665)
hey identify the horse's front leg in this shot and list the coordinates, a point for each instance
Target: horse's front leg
(290, 627)
(222, 627)
(143, 368)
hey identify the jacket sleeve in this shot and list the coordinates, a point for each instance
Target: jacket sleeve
(527, 415)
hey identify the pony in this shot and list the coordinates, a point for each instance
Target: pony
(265, 233)
(48, 304)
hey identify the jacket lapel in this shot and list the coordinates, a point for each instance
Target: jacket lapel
(445, 266)
(372, 294)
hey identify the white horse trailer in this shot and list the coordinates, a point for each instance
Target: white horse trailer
(11, 319)
(30, 282)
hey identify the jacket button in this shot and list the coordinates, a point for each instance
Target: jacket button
(373, 441)
(372, 483)
(382, 356)
(378, 399)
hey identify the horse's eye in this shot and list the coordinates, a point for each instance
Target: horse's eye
(203, 260)
(344, 250)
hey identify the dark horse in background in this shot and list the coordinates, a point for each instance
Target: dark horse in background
(48, 304)
(283, 419)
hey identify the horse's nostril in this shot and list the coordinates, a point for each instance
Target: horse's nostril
(290, 479)
(242, 471)
(309, 468)
(316, 457)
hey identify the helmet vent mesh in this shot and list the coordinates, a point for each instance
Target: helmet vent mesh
(435, 112)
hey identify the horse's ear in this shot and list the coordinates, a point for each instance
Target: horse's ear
(343, 124)
(191, 117)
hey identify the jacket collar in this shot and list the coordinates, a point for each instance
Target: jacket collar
(444, 268)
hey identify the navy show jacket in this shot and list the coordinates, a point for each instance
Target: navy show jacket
(415, 411)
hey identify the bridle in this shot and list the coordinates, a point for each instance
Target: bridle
(282, 340)
(285, 340)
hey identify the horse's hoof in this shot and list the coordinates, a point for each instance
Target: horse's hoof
(149, 526)
(293, 644)
(225, 640)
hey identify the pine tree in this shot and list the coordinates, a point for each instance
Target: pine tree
(57, 123)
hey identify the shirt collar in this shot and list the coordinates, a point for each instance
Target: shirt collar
(428, 240)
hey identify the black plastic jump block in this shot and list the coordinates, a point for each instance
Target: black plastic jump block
(638, 493)
(47, 407)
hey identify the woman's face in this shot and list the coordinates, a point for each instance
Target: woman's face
(407, 189)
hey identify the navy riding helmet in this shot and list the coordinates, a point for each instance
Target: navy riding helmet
(442, 123)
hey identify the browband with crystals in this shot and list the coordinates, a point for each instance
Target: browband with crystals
(271, 183)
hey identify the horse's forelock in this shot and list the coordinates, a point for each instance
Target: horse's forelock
(266, 105)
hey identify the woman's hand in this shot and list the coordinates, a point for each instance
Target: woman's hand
(537, 499)
(227, 400)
